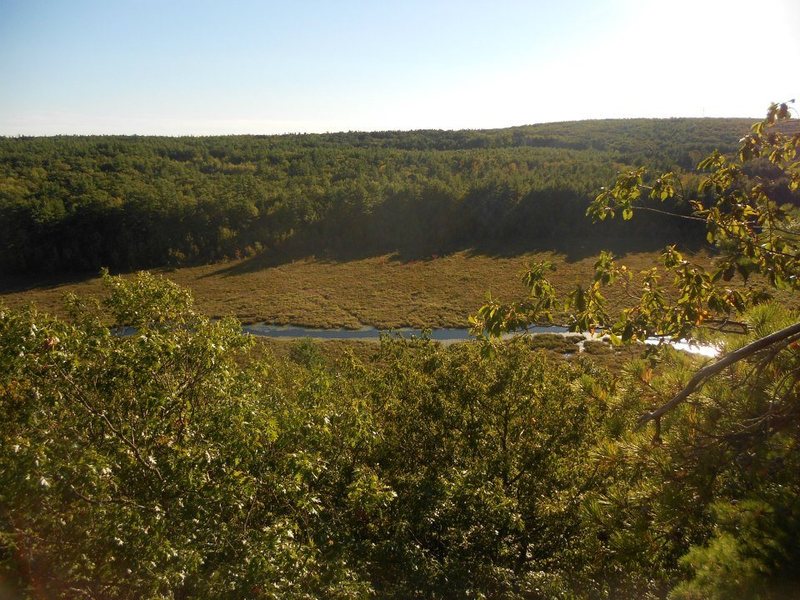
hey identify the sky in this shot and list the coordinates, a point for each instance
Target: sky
(200, 67)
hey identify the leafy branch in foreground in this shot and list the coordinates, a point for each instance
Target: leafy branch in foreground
(748, 203)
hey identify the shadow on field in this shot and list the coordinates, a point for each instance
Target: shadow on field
(572, 248)
(12, 284)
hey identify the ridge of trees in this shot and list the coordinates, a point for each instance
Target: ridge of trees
(72, 203)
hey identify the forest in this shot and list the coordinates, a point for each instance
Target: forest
(76, 204)
(186, 460)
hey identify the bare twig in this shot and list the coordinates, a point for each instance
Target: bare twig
(668, 213)
(722, 326)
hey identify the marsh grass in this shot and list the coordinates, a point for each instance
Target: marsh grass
(597, 347)
(560, 344)
(381, 291)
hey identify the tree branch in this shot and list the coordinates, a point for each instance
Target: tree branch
(723, 325)
(706, 372)
(668, 213)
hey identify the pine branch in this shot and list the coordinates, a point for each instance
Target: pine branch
(784, 335)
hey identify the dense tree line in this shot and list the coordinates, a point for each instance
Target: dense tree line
(79, 203)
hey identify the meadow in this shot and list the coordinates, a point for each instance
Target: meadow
(383, 291)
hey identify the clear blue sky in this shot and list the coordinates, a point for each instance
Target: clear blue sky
(244, 66)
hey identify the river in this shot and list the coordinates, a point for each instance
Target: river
(446, 335)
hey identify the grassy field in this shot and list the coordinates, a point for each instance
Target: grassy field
(380, 291)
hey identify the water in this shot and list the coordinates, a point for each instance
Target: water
(688, 346)
(443, 334)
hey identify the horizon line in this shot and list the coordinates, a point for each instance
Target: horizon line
(362, 131)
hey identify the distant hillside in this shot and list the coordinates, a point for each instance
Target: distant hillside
(669, 140)
(71, 203)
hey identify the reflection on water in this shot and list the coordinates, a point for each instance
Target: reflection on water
(688, 346)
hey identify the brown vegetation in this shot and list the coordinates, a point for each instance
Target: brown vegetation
(380, 291)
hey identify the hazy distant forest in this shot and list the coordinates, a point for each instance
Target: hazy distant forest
(75, 204)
